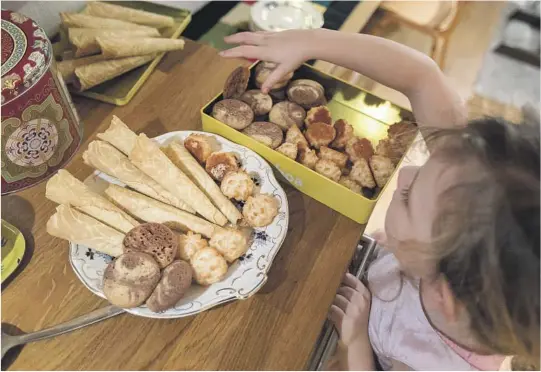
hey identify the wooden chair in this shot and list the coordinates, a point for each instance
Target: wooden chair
(437, 19)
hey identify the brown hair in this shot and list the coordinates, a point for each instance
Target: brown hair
(486, 234)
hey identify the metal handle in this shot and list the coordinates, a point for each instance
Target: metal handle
(328, 341)
(80, 322)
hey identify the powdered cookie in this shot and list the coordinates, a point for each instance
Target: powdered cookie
(319, 114)
(154, 239)
(266, 133)
(307, 93)
(286, 114)
(320, 134)
(358, 148)
(175, 281)
(235, 113)
(237, 82)
(260, 102)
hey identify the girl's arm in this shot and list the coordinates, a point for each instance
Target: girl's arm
(433, 100)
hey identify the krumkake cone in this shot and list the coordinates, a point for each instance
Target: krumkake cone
(105, 158)
(63, 188)
(88, 76)
(70, 224)
(114, 47)
(141, 17)
(147, 156)
(84, 43)
(80, 20)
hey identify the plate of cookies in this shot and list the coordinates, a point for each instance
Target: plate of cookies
(171, 226)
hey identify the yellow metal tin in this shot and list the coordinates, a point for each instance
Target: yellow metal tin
(370, 117)
(13, 247)
(120, 90)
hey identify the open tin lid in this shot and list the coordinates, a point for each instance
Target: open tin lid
(26, 54)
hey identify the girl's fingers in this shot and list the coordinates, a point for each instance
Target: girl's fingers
(244, 51)
(251, 38)
(352, 281)
(275, 76)
(336, 316)
(347, 292)
(341, 302)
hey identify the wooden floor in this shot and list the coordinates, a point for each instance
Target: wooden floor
(467, 47)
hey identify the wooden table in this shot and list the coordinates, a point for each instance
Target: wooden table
(276, 329)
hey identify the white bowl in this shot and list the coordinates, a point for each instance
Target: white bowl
(284, 15)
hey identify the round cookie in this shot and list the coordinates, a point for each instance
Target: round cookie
(260, 102)
(220, 163)
(320, 134)
(175, 281)
(358, 148)
(130, 279)
(307, 93)
(154, 239)
(235, 113)
(260, 210)
(319, 114)
(263, 71)
(208, 266)
(230, 243)
(237, 185)
(267, 133)
(237, 82)
(286, 113)
(189, 244)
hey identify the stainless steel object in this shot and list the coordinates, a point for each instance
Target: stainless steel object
(326, 344)
(10, 341)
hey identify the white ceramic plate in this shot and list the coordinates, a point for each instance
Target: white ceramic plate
(244, 277)
(284, 15)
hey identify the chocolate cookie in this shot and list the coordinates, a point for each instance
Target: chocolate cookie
(176, 280)
(130, 279)
(235, 113)
(237, 82)
(260, 102)
(154, 239)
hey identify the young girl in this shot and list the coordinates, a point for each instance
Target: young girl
(457, 285)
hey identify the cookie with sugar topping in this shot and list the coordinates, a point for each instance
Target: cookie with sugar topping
(232, 112)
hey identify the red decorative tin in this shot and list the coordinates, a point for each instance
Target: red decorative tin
(40, 127)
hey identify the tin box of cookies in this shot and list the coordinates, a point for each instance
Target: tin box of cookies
(312, 156)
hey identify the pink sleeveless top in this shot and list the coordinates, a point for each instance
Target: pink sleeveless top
(399, 330)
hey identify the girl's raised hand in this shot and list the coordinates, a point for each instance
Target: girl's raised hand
(350, 310)
(288, 49)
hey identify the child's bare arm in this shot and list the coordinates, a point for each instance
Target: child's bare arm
(433, 100)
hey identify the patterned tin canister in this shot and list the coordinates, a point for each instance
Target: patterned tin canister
(40, 127)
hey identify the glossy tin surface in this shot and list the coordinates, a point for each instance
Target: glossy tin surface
(40, 127)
